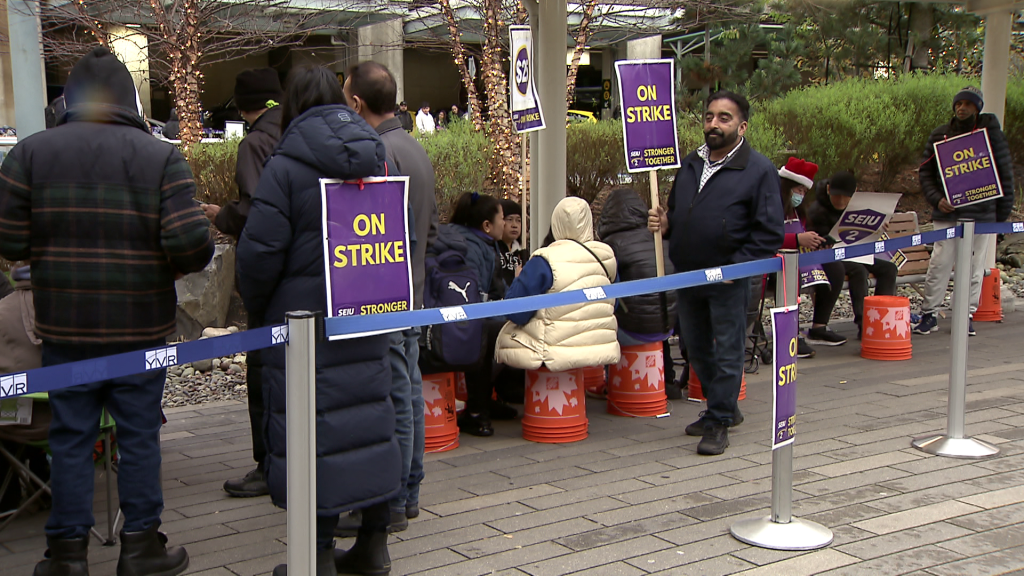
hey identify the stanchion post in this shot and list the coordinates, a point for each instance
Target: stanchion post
(780, 531)
(954, 443)
(300, 406)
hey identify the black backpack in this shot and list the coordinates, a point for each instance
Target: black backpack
(456, 345)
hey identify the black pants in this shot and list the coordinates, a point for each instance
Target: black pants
(480, 382)
(826, 295)
(254, 388)
(713, 319)
(885, 273)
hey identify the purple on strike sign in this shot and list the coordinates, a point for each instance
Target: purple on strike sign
(967, 169)
(651, 141)
(366, 246)
(785, 332)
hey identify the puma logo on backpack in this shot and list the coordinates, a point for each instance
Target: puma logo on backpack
(451, 281)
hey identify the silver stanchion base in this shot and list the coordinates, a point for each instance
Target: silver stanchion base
(794, 535)
(942, 445)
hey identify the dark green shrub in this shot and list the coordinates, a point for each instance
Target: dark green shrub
(594, 157)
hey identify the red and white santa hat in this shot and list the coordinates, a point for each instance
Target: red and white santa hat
(799, 171)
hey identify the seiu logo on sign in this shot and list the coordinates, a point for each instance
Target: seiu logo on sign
(859, 224)
(161, 358)
(13, 385)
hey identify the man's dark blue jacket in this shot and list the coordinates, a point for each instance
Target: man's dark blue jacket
(736, 218)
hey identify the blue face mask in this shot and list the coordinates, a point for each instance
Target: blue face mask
(796, 199)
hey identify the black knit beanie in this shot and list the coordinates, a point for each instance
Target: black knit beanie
(254, 88)
(971, 94)
(100, 78)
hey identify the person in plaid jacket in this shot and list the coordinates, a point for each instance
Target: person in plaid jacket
(106, 215)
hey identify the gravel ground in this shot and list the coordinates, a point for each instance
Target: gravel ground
(187, 387)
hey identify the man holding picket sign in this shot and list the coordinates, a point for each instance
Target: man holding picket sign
(725, 208)
(967, 172)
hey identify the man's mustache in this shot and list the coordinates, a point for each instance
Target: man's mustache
(714, 132)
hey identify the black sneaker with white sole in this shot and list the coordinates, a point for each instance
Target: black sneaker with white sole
(824, 336)
(803, 349)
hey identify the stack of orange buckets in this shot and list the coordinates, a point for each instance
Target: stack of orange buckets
(555, 412)
(594, 380)
(990, 308)
(636, 385)
(696, 394)
(440, 428)
(885, 334)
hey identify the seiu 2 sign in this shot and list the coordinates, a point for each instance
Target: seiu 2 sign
(859, 224)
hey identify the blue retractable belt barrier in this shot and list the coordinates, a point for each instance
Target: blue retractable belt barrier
(128, 363)
(98, 369)
(998, 227)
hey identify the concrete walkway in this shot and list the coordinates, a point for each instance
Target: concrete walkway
(635, 499)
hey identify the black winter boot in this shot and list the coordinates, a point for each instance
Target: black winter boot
(65, 558)
(146, 553)
(367, 557)
(324, 564)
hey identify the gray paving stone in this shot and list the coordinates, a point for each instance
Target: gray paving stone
(899, 563)
(530, 518)
(996, 563)
(578, 561)
(720, 566)
(811, 563)
(955, 491)
(995, 518)
(878, 546)
(990, 541)
(499, 542)
(841, 483)
(938, 478)
(626, 531)
(688, 554)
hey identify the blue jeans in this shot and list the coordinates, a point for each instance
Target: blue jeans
(407, 396)
(713, 324)
(134, 403)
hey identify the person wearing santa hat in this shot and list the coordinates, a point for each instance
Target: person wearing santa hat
(796, 178)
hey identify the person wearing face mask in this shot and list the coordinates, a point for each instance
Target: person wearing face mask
(796, 177)
(724, 208)
(967, 117)
(832, 197)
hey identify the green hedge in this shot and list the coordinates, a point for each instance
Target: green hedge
(213, 166)
(460, 158)
(855, 123)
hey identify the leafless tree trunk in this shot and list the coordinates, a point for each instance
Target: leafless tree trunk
(459, 53)
(582, 37)
(505, 166)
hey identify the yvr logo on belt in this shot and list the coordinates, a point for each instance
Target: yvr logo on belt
(161, 358)
(13, 385)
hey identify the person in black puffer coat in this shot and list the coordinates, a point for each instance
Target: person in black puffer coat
(281, 268)
(623, 226)
(650, 317)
